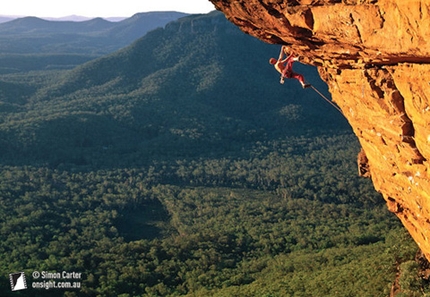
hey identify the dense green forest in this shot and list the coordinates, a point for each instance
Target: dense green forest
(179, 166)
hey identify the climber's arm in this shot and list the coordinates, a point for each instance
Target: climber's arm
(284, 50)
(281, 54)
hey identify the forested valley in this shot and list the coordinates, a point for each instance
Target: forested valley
(179, 166)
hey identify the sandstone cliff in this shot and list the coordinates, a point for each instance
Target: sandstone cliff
(375, 57)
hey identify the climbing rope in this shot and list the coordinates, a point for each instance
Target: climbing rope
(326, 99)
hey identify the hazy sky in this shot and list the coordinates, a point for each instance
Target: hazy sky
(100, 8)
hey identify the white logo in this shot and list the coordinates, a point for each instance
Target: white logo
(17, 281)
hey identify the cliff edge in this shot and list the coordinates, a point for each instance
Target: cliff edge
(375, 57)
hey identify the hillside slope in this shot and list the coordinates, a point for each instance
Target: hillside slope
(374, 57)
(186, 82)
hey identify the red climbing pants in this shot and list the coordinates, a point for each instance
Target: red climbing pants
(289, 73)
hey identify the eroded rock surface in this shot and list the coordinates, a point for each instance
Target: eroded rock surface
(375, 57)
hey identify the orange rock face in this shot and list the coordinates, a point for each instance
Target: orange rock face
(375, 57)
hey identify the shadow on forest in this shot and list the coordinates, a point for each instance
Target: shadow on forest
(145, 221)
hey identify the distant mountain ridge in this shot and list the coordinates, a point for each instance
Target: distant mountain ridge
(30, 35)
(35, 25)
(72, 18)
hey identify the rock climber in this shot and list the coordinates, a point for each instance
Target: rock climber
(285, 67)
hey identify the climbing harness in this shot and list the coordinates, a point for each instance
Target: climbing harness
(326, 99)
